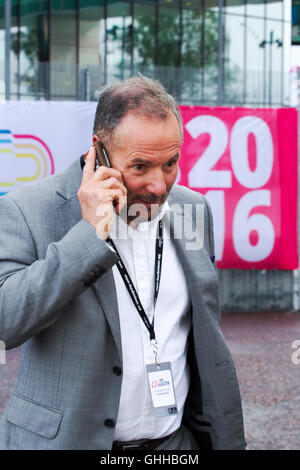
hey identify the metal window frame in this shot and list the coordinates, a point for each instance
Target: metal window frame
(7, 14)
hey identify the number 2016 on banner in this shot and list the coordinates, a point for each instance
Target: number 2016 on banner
(235, 165)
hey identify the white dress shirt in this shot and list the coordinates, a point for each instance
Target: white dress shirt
(172, 324)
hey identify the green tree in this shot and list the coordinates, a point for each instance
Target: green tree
(27, 42)
(30, 43)
(187, 58)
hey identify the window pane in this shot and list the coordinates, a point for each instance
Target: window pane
(234, 58)
(191, 42)
(274, 62)
(236, 7)
(255, 77)
(14, 51)
(255, 8)
(176, 50)
(119, 40)
(2, 52)
(287, 33)
(144, 40)
(92, 65)
(210, 55)
(2, 63)
(191, 71)
(211, 4)
(287, 7)
(274, 9)
(63, 50)
(33, 42)
(169, 35)
(296, 22)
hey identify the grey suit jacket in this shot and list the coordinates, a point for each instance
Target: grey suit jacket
(58, 300)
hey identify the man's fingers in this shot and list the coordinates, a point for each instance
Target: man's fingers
(113, 183)
(105, 172)
(115, 194)
(119, 198)
(89, 167)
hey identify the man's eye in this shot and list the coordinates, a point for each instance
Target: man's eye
(138, 166)
(171, 163)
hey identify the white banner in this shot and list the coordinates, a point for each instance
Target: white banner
(39, 138)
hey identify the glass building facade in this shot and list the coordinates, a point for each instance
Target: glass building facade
(296, 22)
(214, 52)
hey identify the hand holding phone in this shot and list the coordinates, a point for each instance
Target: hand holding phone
(101, 189)
(102, 157)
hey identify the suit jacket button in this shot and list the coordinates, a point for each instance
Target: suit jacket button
(109, 423)
(117, 370)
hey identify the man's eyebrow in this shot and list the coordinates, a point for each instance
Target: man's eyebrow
(175, 156)
(139, 160)
(143, 160)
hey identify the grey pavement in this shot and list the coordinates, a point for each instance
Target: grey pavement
(261, 346)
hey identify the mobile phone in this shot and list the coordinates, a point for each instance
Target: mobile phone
(101, 156)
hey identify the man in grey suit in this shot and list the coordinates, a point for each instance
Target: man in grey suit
(121, 342)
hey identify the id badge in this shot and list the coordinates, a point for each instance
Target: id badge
(161, 387)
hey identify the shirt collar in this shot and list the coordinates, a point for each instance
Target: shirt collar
(145, 226)
(148, 226)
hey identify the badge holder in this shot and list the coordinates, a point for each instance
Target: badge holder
(161, 387)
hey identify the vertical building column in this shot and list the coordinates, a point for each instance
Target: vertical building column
(19, 44)
(7, 7)
(156, 41)
(77, 65)
(47, 90)
(220, 54)
(131, 32)
(105, 42)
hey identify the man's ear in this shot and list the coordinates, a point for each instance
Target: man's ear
(95, 138)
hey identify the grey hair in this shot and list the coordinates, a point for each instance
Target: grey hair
(141, 95)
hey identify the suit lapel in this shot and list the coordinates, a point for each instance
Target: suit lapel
(105, 291)
(187, 260)
(196, 264)
(69, 213)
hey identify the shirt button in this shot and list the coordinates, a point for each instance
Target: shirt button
(109, 423)
(117, 370)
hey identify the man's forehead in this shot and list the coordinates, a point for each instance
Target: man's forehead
(134, 128)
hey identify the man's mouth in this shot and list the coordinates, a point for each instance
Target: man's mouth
(148, 200)
(144, 207)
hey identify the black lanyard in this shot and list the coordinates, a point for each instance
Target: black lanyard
(130, 286)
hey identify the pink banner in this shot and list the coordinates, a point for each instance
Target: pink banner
(245, 162)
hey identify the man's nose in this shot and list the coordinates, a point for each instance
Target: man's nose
(157, 185)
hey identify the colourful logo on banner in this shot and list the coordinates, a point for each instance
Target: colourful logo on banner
(23, 158)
